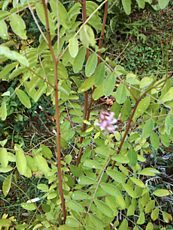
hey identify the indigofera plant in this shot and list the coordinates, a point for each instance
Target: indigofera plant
(102, 179)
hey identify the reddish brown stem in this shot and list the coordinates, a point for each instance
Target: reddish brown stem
(103, 29)
(84, 18)
(129, 123)
(127, 129)
(86, 95)
(57, 113)
(87, 106)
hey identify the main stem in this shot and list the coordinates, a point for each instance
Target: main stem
(87, 105)
(57, 112)
(58, 135)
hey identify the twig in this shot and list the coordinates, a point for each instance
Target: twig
(103, 29)
(57, 112)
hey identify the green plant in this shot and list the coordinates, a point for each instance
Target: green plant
(101, 179)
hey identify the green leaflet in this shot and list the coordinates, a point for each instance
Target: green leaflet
(141, 3)
(109, 84)
(5, 223)
(163, 3)
(165, 139)
(31, 163)
(21, 162)
(141, 218)
(149, 226)
(79, 195)
(94, 221)
(132, 79)
(6, 70)
(123, 225)
(87, 84)
(73, 222)
(149, 171)
(155, 214)
(99, 74)
(129, 189)
(3, 157)
(127, 6)
(73, 47)
(95, 20)
(6, 185)
(149, 206)
(121, 93)
(79, 60)
(166, 217)
(73, 12)
(168, 96)
(47, 153)
(145, 82)
(132, 155)
(3, 30)
(113, 191)
(155, 142)
(147, 128)
(98, 92)
(119, 177)
(93, 164)
(5, 170)
(120, 159)
(161, 192)
(62, 15)
(91, 64)
(18, 25)
(104, 150)
(3, 14)
(28, 206)
(75, 206)
(169, 124)
(62, 71)
(87, 36)
(84, 180)
(43, 187)
(142, 107)
(41, 15)
(137, 182)
(131, 209)
(126, 110)
(42, 164)
(23, 97)
(103, 208)
(13, 55)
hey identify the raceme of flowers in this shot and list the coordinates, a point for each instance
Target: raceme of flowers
(107, 122)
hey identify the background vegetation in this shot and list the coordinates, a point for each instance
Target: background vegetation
(111, 56)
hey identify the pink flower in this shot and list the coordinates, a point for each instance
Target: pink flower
(107, 122)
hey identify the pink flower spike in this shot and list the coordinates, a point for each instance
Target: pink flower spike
(107, 122)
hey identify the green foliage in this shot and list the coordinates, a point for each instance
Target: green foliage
(112, 178)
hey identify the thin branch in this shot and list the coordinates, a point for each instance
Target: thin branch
(81, 27)
(103, 29)
(127, 128)
(86, 96)
(36, 22)
(84, 18)
(131, 119)
(57, 112)
(98, 183)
